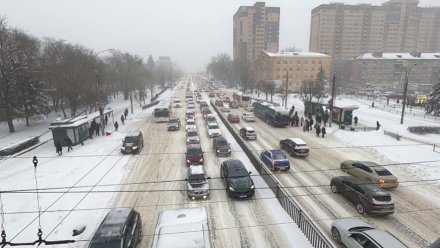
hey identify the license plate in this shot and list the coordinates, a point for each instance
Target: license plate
(242, 196)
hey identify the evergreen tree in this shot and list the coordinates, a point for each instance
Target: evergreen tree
(433, 105)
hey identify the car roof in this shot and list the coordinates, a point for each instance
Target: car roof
(212, 123)
(365, 185)
(194, 146)
(133, 134)
(249, 128)
(196, 169)
(297, 141)
(234, 164)
(384, 238)
(276, 151)
(219, 139)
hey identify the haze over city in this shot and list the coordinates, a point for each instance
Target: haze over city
(190, 32)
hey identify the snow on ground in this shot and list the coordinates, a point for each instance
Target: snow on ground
(58, 171)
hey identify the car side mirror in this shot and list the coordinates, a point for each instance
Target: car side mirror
(250, 172)
(186, 179)
(208, 178)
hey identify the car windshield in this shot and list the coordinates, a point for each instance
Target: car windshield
(278, 156)
(192, 134)
(174, 120)
(190, 123)
(106, 243)
(213, 127)
(222, 143)
(196, 178)
(130, 139)
(194, 151)
(385, 198)
(383, 172)
(238, 172)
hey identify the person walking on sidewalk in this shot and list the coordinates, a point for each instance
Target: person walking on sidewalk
(126, 113)
(68, 143)
(116, 126)
(58, 148)
(355, 120)
(317, 129)
(323, 131)
(122, 119)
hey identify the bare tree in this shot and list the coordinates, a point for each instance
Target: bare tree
(242, 72)
(220, 67)
(268, 87)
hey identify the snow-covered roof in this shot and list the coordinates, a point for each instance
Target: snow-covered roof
(78, 120)
(398, 56)
(297, 54)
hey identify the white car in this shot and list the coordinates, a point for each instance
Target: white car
(190, 124)
(213, 130)
(226, 109)
(191, 106)
(177, 103)
(248, 116)
(249, 108)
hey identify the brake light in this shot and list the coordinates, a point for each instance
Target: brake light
(381, 181)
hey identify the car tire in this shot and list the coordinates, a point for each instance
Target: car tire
(336, 235)
(334, 189)
(359, 208)
(344, 168)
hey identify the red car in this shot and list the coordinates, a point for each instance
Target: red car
(233, 118)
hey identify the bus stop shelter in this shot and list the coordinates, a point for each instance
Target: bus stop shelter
(341, 114)
(76, 128)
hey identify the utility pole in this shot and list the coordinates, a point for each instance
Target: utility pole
(405, 91)
(332, 103)
(287, 87)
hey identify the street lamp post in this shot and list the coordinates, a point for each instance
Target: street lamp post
(405, 91)
(287, 87)
(98, 95)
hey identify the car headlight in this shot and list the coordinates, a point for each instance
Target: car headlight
(187, 140)
(135, 147)
(231, 189)
(229, 150)
(188, 161)
(201, 160)
(123, 148)
(253, 186)
(218, 150)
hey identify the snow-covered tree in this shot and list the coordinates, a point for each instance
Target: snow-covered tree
(433, 105)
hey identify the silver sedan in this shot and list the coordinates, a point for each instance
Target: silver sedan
(371, 172)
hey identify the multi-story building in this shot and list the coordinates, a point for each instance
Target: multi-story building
(294, 67)
(256, 28)
(345, 31)
(386, 71)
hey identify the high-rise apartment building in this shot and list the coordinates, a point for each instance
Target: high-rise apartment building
(346, 31)
(256, 28)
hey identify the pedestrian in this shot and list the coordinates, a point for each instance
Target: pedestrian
(106, 120)
(317, 129)
(296, 120)
(323, 131)
(310, 122)
(97, 127)
(58, 148)
(372, 104)
(68, 143)
(91, 131)
(302, 120)
(306, 125)
(126, 113)
(325, 118)
(122, 119)
(377, 125)
(355, 120)
(116, 126)
(81, 137)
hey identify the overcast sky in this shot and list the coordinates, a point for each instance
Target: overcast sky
(189, 31)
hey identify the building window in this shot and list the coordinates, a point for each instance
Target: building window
(279, 62)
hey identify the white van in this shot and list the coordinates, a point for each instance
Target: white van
(185, 227)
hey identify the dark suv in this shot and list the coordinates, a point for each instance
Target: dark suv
(133, 142)
(237, 180)
(194, 154)
(121, 228)
(173, 124)
(367, 196)
(221, 147)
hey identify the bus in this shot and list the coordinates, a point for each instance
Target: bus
(243, 101)
(161, 114)
(277, 117)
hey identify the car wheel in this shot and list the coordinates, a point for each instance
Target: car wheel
(344, 168)
(336, 235)
(359, 208)
(333, 188)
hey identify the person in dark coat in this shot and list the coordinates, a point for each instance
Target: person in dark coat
(58, 148)
(323, 131)
(116, 126)
(306, 125)
(97, 127)
(126, 113)
(68, 143)
(106, 119)
(302, 121)
(355, 120)
(317, 129)
(377, 125)
(122, 119)
(91, 131)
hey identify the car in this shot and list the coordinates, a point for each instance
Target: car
(192, 136)
(368, 197)
(221, 147)
(371, 172)
(233, 117)
(184, 227)
(120, 226)
(189, 114)
(190, 124)
(132, 142)
(173, 124)
(197, 184)
(194, 154)
(353, 232)
(234, 104)
(236, 179)
(248, 133)
(275, 160)
(191, 106)
(177, 103)
(203, 104)
(206, 111)
(248, 116)
(227, 99)
(249, 108)
(213, 129)
(226, 109)
(295, 147)
(218, 103)
(211, 94)
(210, 118)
